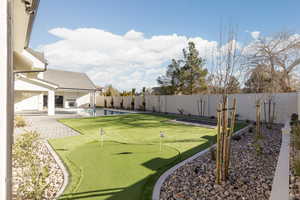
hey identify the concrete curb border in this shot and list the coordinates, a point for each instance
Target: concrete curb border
(62, 167)
(164, 176)
(280, 185)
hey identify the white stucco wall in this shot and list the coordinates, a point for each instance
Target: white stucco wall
(28, 100)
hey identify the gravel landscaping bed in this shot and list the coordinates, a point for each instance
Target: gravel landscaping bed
(54, 180)
(251, 175)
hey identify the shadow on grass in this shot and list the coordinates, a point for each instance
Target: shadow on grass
(141, 190)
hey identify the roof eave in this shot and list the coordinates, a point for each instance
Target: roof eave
(35, 5)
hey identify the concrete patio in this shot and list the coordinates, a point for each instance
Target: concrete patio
(47, 126)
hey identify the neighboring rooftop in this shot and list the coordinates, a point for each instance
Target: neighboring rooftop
(68, 79)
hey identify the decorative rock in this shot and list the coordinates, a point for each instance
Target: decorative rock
(250, 174)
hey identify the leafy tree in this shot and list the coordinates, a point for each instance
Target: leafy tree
(111, 91)
(193, 73)
(171, 83)
(185, 76)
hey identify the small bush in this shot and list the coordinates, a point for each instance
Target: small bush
(250, 130)
(258, 148)
(180, 110)
(20, 122)
(294, 117)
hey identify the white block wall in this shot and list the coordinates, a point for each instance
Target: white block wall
(286, 104)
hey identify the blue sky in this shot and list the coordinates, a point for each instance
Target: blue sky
(188, 18)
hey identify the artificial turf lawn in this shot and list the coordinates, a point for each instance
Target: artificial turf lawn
(130, 160)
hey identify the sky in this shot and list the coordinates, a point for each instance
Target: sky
(129, 43)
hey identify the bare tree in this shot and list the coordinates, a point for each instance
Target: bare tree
(279, 55)
(225, 63)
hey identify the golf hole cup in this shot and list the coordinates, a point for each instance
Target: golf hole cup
(101, 132)
(161, 135)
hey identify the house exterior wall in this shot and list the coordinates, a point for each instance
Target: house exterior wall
(25, 100)
(6, 99)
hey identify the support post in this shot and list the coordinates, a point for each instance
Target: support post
(6, 99)
(51, 102)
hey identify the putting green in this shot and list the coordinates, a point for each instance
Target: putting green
(106, 171)
(130, 160)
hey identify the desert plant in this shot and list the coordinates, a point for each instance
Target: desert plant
(30, 166)
(20, 122)
(294, 118)
(258, 148)
(180, 110)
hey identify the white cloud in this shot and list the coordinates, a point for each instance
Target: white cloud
(255, 34)
(125, 61)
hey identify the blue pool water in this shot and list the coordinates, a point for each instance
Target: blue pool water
(103, 112)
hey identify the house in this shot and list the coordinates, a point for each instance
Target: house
(53, 89)
(17, 19)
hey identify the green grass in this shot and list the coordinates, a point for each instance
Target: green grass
(130, 160)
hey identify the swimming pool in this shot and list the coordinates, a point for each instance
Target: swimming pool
(102, 112)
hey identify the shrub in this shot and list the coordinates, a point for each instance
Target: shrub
(132, 104)
(19, 122)
(144, 105)
(105, 103)
(112, 102)
(180, 110)
(121, 103)
(153, 109)
(297, 167)
(294, 117)
(30, 166)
